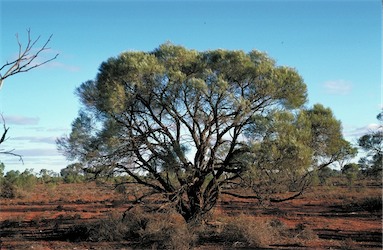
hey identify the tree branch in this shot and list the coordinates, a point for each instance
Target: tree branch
(24, 61)
(3, 139)
(274, 200)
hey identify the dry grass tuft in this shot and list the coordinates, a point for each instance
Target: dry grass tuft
(144, 229)
(248, 231)
(349, 244)
(159, 231)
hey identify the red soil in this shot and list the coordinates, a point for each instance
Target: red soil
(25, 221)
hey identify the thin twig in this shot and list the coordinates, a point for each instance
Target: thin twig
(24, 61)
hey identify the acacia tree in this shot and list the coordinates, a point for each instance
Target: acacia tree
(371, 143)
(288, 148)
(26, 60)
(183, 123)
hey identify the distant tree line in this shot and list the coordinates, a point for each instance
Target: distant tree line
(14, 181)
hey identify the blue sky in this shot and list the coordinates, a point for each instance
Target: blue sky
(334, 45)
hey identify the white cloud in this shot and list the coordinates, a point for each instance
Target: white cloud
(49, 129)
(46, 159)
(60, 65)
(21, 120)
(337, 87)
(36, 139)
(58, 129)
(358, 132)
(37, 152)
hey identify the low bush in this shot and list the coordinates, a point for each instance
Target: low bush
(348, 244)
(161, 231)
(252, 232)
(14, 183)
(77, 233)
(279, 228)
(145, 230)
(368, 204)
(247, 231)
(7, 190)
(110, 228)
(371, 204)
(303, 232)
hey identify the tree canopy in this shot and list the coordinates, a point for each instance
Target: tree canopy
(371, 143)
(190, 124)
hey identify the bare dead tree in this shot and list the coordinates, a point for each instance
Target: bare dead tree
(26, 59)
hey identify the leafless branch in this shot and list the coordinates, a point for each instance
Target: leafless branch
(3, 138)
(273, 200)
(5, 131)
(26, 59)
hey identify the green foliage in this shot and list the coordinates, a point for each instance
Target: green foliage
(7, 190)
(24, 180)
(324, 176)
(371, 143)
(326, 173)
(280, 152)
(289, 149)
(49, 176)
(327, 139)
(2, 167)
(14, 181)
(73, 173)
(12, 176)
(351, 171)
(186, 123)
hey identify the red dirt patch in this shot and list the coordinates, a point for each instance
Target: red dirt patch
(38, 219)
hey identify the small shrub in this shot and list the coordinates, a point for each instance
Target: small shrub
(279, 228)
(146, 230)
(136, 221)
(161, 231)
(368, 204)
(77, 233)
(110, 228)
(7, 190)
(371, 204)
(348, 244)
(250, 232)
(14, 183)
(11, 223)
(121, 189)
(303, 232)
(60, 208)
(233, 232)
(165, 234)
(118, 203)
